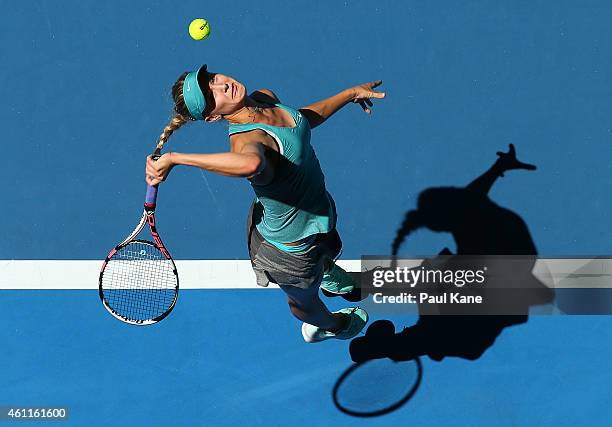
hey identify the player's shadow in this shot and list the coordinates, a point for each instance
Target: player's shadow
(482, 228)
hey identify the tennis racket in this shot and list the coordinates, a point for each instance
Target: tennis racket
(138, 279)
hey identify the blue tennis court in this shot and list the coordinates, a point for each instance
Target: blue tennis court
(86, 90)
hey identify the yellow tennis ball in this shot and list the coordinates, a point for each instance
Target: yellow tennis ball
(199, 29)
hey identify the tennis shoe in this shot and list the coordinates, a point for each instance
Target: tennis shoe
(357, 319)
(337, 281)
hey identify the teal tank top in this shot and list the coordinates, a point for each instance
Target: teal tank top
(295, 205)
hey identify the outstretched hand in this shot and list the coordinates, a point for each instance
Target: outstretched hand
(508, 161)
(364, 92)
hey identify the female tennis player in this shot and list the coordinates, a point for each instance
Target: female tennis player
(291, 232)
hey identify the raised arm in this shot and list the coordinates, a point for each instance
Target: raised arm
(505, 162)
(320, 111)
(249, 160)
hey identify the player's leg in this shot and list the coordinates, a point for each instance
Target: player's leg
(306, 305)
(319, 324)
(335, 279)
(299, 276)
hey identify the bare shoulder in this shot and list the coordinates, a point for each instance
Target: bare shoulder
(265, 95)
(255, 136)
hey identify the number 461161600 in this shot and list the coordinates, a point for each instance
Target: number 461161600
(11, 413)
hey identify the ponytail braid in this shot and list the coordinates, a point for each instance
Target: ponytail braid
(412, 221)
(181, 113)
(176, 122)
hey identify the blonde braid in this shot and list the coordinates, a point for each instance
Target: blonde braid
(176, 122)
(181, 113)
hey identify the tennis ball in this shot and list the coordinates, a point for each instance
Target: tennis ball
(199, 29)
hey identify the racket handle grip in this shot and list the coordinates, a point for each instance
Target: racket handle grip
(151, 196)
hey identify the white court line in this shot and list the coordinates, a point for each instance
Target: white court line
(237, 274)
(80, 274)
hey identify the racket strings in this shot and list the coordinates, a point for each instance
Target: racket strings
(139, 283)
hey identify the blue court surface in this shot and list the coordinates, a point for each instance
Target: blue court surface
(85, 94)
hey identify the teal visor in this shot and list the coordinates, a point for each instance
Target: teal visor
(193, 96)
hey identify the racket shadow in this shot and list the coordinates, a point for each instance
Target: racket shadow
(377, 387)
